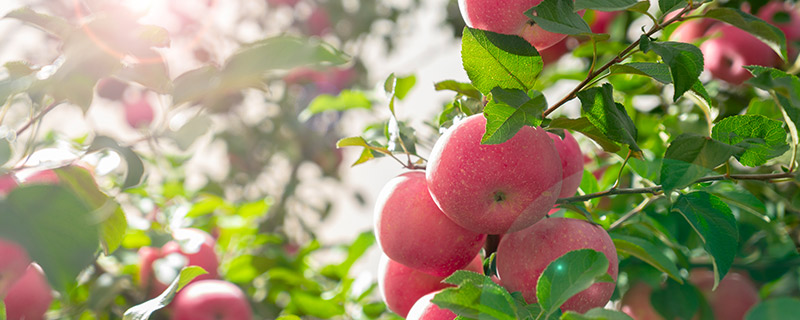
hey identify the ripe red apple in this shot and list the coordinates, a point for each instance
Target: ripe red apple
(494, 189)
(401, 286)
(43, 177)
(139, 113)
(636, 303)
(424, 309)
(522, 257)
(7, 183)
(13, 263)
(602, 19)
(507, 17)
(734, 296)
(412, 230)
(571, 163)
(692, 30)
(319, 22)
(211, 300)
(726, 54)
(791, 28)
(554, 52)
(30, 297)
(194, 245)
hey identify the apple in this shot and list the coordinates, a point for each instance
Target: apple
(191, 247)
(424, 309)
(111, 89)
(554, 52)
(412, 230)
(494, 189)
(692, 30)
(7, 183)
(602, 19)
(139, 113)
(734, 296)
(30, 297)
(786, 17)
(319, 22)
(43, 177)
(401, 286)
(507, 17)
(211, 300)
(523, 256)
(571, 163)
(289, 3)
(726, 54)
(12, 265)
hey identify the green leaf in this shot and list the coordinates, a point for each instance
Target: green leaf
(558, 16)
(151, 74)
(604, 5)
(133, 176)
(144, 310)
(346, 100)
(761, 138)
(714, 223)
(608, 116)
(676, 301)
(355, 251)
(785, 86)
(685, 62)
(315, 306)
(280, 53)
(774, 309)
(509, 111)
(668, 6)
(478, 300)
(5, 151)
(460, 277)
(498, 60)
(690, 157)
(54, 25)
(568, 275)
(465, 89)
(762, 30)
(650, 252)
(596, 314)
(112, 219)
(640, 7)
(399, 86)
(188, 133)
(401, 136)
(584, 126)
(55, 227)
(655, 70)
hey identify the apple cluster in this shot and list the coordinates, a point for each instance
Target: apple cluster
(430, 224)
(727, 48)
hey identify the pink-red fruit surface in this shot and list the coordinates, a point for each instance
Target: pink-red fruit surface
(424, 309)
(13, 262)
(30, 297)
(726, 55)
(734, 296)
(507, 17)
(195, 245)
(602, 20)
(43, 177)
(211, 300)
(636, 303)
(522, 257)
(692, 30)
(139, 113)
(412, 230)
(571, 163)
(494, 189)
(401, 286)
(786, 17)
(7, 183)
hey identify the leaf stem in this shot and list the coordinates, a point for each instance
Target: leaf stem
(36, 118)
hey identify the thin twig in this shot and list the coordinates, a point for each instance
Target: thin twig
(36, 118)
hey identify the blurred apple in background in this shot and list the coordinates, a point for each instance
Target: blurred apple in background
(139, 112)
(211, 300)
(30, 297)
(13, 262)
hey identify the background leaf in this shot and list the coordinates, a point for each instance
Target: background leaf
(685, 62)
(759, 137)
(690, 157)
(775, 308)
(762, 30)
(650, 252)
(608, 116)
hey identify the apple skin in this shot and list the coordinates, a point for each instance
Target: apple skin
(13, 264)
(734, 48)
(30, 297)
(602, 19)
(790, 28)
(7, 183)
(554, 52)
(412, 230)
(401, 286)
(571, 163)
(211, 300)
(424, 309)
(111, 89)
(139, 113)
(494, 189)
(636, 303)
(734, 296)
(319, 22)
(289, 3)
(507, 17)
(522, 257)
(202, 256)
(692, 30)
(43, 177)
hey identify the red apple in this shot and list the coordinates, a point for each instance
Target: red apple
(571, 163)
(522, 257)
(7, 183)
(13, 263)
(554, 52)
(790, 28)
(211, 300)
(193, 245)
(401, 286)
(602, 19)
(726, 54)
(319, 22)
(507, 17)
(139, 113)
(43, 177)
(636, 303)
(692, 30)
(30, 297)
(412, 230)
(734, 296)
(424, 309)
(289, 3)
(494, 189)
